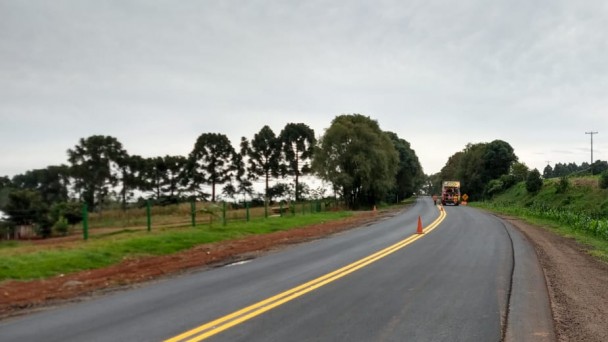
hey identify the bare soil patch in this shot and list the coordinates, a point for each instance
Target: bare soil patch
(577, 283)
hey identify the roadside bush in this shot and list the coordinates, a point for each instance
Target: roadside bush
(534, 183)
(563, 184)
(71, 211)
(61, 226)
(508, 181)
(494, 187)
(604, 180)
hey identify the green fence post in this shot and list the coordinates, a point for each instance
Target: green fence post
(281, 209)
(265, 208)
(149, 217)
(85, 221)
(247, 207)
(292, 207)
(224, 213)
(193, 212)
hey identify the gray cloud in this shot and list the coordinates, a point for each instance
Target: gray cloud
(157, 74)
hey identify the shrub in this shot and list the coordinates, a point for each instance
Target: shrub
(494, 187)
(534, 183)
(563, 184)
(61, 226)
(508, 181)
(604, 180)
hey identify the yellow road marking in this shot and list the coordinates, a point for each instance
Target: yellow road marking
(223, 323)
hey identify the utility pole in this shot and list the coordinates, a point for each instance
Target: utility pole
(591, 133)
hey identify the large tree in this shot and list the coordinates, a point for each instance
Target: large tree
(498, 159)
(52, 183)
(547, 172)
(165, 177)
(95, 167)
(211, 160)
(243, 183)
(130, 175)
(5, 189)
(409, 178)
(264, 153)
(26, 207)
(478, 164)
(297, 145)
(519, 171)
(358, 158)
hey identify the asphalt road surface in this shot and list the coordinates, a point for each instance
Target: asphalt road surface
(471, 278)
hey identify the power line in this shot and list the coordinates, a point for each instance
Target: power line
(591, 133)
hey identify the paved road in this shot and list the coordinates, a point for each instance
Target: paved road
(452, 284)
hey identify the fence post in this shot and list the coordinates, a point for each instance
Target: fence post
(193, 212)
(281, 209)
(148, 216)
(224, 213)
(247, 207)
(85, 221)
(265, 208)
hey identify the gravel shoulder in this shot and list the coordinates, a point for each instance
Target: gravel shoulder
(577, 284)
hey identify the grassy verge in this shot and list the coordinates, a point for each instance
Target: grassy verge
(24, 262)
(594, 240)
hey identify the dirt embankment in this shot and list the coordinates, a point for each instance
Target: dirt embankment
(578, 283)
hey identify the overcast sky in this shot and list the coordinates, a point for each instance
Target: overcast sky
(440, 74)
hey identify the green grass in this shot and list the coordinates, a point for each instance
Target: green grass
(580, 212)
(24, 262)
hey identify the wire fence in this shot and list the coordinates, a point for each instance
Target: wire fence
(181, 215)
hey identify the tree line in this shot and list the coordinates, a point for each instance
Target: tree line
(486, 169)
(483, 169)
(563, 169)
(363, 164)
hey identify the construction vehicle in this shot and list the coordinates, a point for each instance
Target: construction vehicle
(450, 193)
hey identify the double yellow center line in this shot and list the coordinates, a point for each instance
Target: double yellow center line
(223, 323)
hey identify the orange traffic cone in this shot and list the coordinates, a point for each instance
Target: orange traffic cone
(419, 230)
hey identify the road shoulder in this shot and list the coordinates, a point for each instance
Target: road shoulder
(577, 284)
(530, 317)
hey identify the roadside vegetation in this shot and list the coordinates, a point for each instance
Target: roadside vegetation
(25, 260)
(362, 165)
(572, 206)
